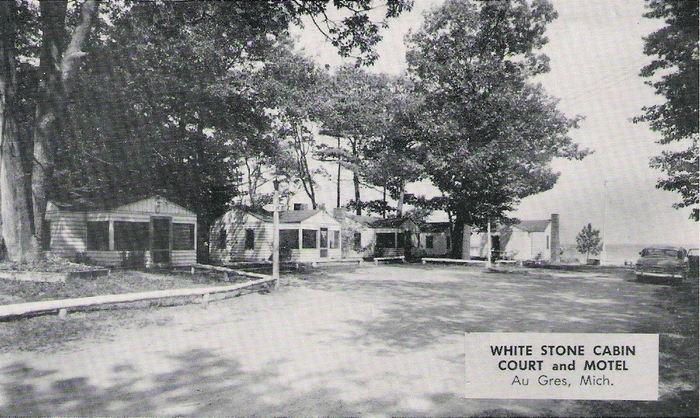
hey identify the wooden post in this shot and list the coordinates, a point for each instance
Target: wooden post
(488, 244)
(63, 313)
(192, 270)
(276, 237)
(111, 236)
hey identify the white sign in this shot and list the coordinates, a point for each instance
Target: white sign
(562, 366)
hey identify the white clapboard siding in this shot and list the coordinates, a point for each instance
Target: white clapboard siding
(234, 250)
(236, 222)
(308, 255)
(68, 233)
(151, 206)
(183, 257)
(105, 258)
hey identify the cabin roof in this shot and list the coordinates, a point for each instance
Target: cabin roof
(286, 216)
(365, 220)
(533, 226)
(435, 227)
(108, 203)
(388, 222)
(296, 216)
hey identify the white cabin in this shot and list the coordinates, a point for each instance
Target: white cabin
(246, 235)
(149, 232)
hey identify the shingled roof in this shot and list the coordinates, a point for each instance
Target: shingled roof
(435, 227)
(296, 216)
(286, 216)
(388, 222)
(533, 226)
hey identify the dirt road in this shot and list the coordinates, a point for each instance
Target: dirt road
(381, 340)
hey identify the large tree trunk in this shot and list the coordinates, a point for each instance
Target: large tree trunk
(399, 205)
(302, 152)
(356, 180)
(14, 200)
(356, 183)
(337, 184)
(461, 233)
(50, 92)
(57, 69)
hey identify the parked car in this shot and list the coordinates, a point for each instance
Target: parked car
(693, 262)
(663, 262)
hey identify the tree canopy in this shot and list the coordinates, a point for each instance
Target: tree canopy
(588, 241)
(674, 74)
(490, 132)
(170, 98)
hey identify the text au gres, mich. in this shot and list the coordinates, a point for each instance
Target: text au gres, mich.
(561, 366)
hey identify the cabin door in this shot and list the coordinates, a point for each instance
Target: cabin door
(160, 240)
(323, 241)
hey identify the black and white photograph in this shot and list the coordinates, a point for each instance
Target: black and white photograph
(379, 208)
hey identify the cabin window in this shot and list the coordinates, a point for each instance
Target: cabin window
(183, 237)
(289, 238)
(357, 241)
(249, 239)
(98, 236)
(308, 238)
(46, 239)
(131, 236)
(335, 239)
(429, 241)
(386, 240)
(221, 241)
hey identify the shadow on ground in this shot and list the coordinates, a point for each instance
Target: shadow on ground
(417, 310)
(460, 300)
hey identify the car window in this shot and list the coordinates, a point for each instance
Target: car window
(659, 252)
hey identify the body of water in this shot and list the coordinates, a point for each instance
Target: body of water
(616, 254)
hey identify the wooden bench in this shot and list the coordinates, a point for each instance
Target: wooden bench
(340, 261)
(472, 262)
(452, 260)
(378, 259)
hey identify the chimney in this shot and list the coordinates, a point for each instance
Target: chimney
(555, 245)
(339, 213)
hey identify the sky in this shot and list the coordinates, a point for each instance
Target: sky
(595, 48)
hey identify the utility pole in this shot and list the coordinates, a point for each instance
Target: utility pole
(605, 210)
(276, 234)
(488, 244)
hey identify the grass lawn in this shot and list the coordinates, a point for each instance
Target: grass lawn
(48, 332)
(16, 291)
(368, 340)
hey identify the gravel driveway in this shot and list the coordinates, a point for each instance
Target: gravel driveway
(381, 340)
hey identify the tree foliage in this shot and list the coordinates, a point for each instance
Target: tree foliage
(356, 111)
(675, 77)
(490, 132)
(588, 241)
(171, 96)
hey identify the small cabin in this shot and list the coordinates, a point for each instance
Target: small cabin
(149, 232)
(435, 238)
(395, 236)
(377, 237)
(243, 234)
(526, 240)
